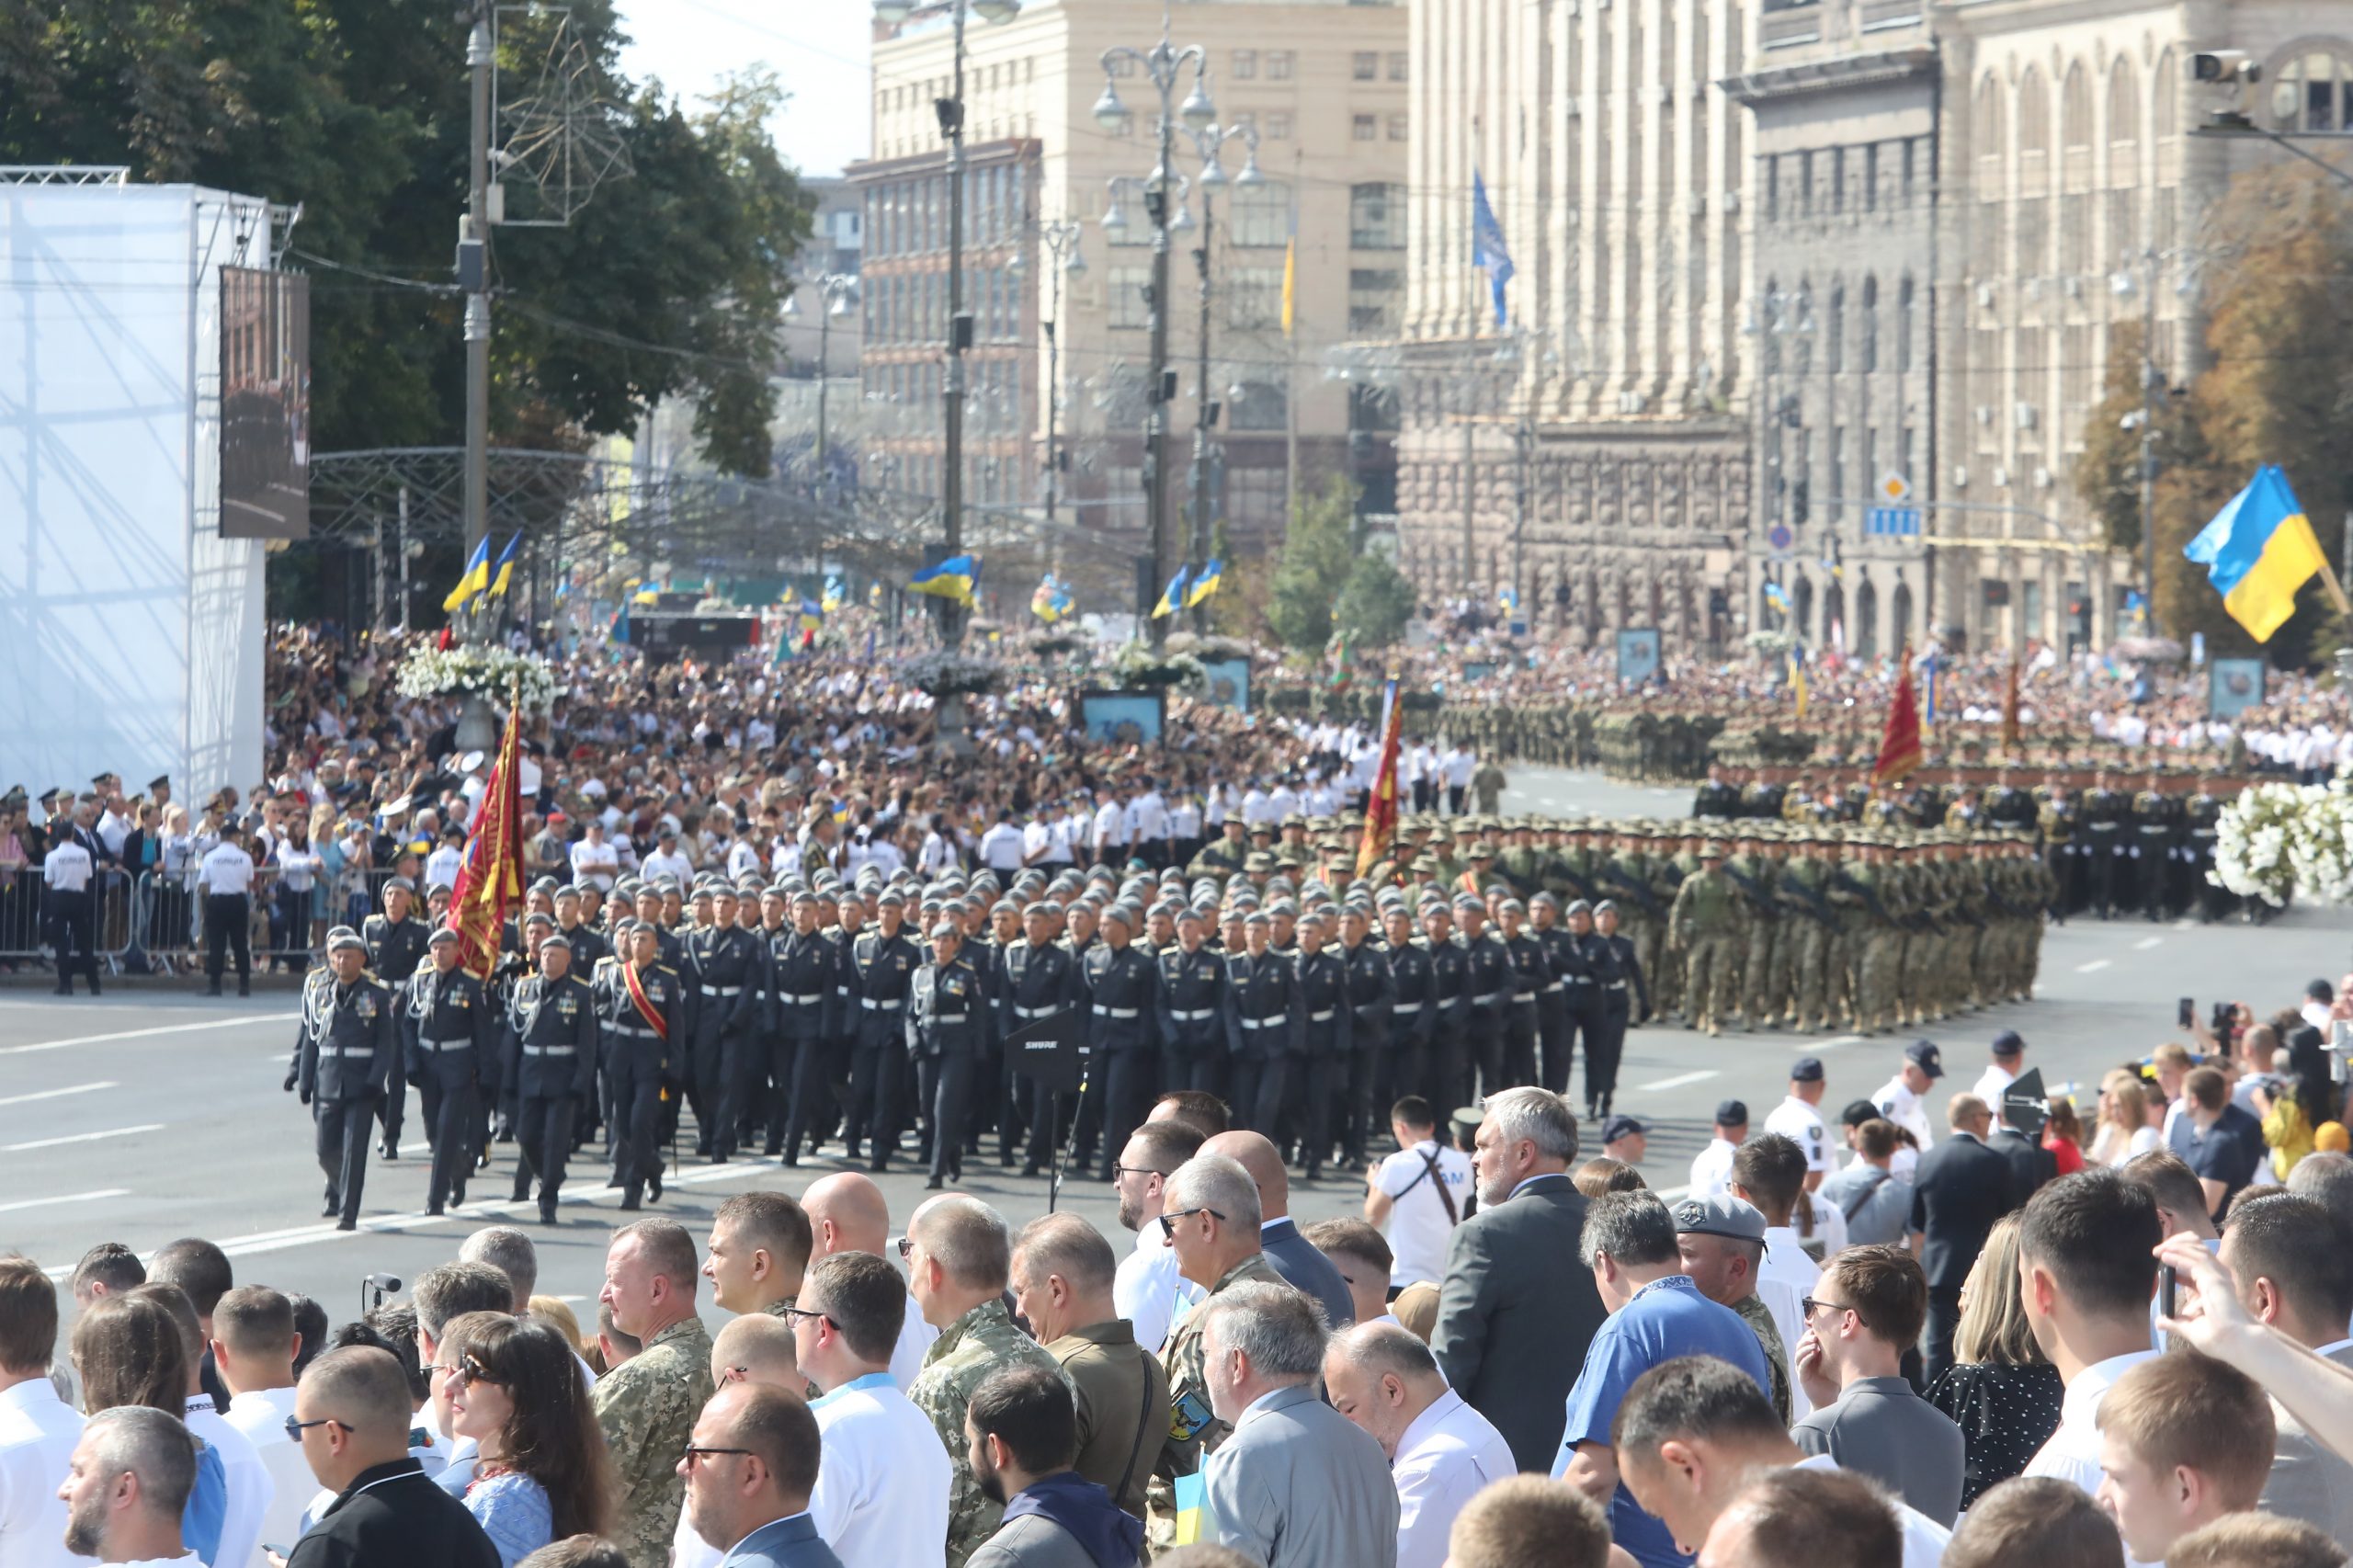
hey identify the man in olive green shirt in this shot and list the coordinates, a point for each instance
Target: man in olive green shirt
(1062, 1275)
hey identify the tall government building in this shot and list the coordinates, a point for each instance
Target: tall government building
(1771, 256)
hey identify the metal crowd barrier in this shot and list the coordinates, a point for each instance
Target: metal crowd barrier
(166, 916)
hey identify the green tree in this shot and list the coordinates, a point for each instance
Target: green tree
(1375, 603)
(1317, 556)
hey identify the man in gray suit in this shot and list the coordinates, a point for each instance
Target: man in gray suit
(750, 1465)
(1297, 1485)
(1515, 1310)
(2295, 1272)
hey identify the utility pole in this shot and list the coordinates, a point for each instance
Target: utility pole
(835, 292)
(1209, 140)
(477, 726)
(1060, 237)
(960, 335)
(1524, 444)
(2149, 440)
(404, 549)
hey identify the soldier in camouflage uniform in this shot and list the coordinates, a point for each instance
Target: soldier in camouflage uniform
(958, 1259)
(647, 1405)
(1210, 1211)
(1707, 927)
(1810, 941)
(1757, 871)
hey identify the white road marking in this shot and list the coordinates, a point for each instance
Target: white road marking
(61, 1094)
(2146, 943)
(1679, 1080)
(1834, 1042)
(148, 1034)
(2093, 967)
(2184, 923)
(23, 1203)
(80, 1138)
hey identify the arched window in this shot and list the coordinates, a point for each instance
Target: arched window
(2124, 220)
(1866, 345)
(1863, 635)
(2034, 176)
(1989, 117)
(1769, 327)
(1803, 599)
(1835, 348)
(1899, 631)
(2313, 91)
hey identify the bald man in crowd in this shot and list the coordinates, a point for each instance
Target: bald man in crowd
(848, 1213)
(1294, 1256)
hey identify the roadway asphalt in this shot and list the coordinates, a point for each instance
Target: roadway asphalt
(140, 1118)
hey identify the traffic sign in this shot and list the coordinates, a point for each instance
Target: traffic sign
(1892, 522)
(1780, 538)
(1893, 489)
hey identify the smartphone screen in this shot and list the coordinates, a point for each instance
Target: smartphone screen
(2186, 1016)
(2168, 1292)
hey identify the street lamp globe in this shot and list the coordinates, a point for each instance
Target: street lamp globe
(792, 303)
(1196, 110)
(1076, 265)
(890, 13)
(996, 10)
(1109, 112)
(840, 306)
(1212, 173)
(1250, 174)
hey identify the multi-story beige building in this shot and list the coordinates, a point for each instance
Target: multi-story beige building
(1323, 84)
(1591, 452)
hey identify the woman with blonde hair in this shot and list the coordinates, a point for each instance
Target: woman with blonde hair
(2001, 1395)
(551, 1311)
(2124, 1129)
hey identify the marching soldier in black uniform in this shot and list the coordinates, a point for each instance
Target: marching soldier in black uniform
(2109, 847)
(1580, 963)
(802, 979)
(882, 964)
(1488, 976)
(2203, 813)
(1039, 979)
(2157, 822)
(1448, 1075)
(1192, 1009)
(1263, 1024)
(948, 1030)
(1373, 999)
(728, 965)
(1625, 1000)
(1531, 976)
(449, 1030)
(1121, 1037)
(395, 948)
(643, 1011)
(2007, 805)
(1412, 1011)
(346, 1059)
(1763, 800)
(1719, 797)
(1325, 1040)
(551, 1059)
(673, 946)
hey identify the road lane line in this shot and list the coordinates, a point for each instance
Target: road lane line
(1834, 1042)
(2146, 943)
(24, 1203)
(149, 1034)
(60, 1093)
(1679, 1080)
(2092, 968)
(80, 1138)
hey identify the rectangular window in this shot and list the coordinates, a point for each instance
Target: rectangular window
(1399, 68)
(1838, 179)
(1260, 215)
(1124, 290)
(1254, 298)
(1245, 64)
(1871, 177)
(1364, 65)
(1279, 66)
(1127, 199)
(1377, 216)
(1375, 300)
(1279, 125)
(1399, 126)
(1365, 128)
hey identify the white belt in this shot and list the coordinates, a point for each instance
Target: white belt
(346, 1051)
(1526, 997)
(1194, 1017)
(1405, 1007)
(808, 1001)
(1617, 986)
(889, 1006)
(1548, 989)
(1103, 1012)
(1046, 1012)
(439, 1045)
(721, 990)
(550, 1051)
(1322, 1017)
(1262, 1023)
(1491, 998)
(639, 1030)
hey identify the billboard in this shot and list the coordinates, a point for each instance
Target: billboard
(1123, 717)
(265, 405)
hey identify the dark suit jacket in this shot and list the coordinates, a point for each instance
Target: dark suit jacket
(780, 1543)
(1961, 1188)
(2032, 1166)
(1308, 1270)
(392, 1516)
(1516, 1313)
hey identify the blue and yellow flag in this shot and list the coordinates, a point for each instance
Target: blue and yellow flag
(1212, 573)
(1172, 597)
(506, 571)
(2257, 551)
(1052, 601)
(953, 578)
(1778, 597)
(1190, 1494)
(476, 578)
(812, 617)
(1797, 681)
(835, 594)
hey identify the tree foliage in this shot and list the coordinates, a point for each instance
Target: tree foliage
(357, 110)
(1317, 556)
(1376, 603)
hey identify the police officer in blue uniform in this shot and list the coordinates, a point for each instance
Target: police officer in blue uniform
(947, 1030)
(551, 1058)
(449, 1030)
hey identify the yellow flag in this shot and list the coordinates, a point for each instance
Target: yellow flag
(1291, 278)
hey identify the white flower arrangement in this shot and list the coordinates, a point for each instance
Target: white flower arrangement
(1135, 665)
(1772, 644)
(944, 672)
(494, 673)
(2281, 840)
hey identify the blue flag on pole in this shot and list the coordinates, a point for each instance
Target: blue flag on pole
(1488, 251)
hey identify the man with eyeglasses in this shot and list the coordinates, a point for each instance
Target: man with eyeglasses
(1148, 1291)
(749, 1472)
(882, 1495)
(1209, 1217)
(351, 1416)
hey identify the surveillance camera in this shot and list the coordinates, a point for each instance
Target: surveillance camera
(2222, 65)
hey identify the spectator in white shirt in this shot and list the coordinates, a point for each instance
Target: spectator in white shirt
(666, 860)
(1441, 1452)
(1004, 848)
(1712, 1166)
(2086, 1272)
(1417, 1195)
(1799, 1119)
(1147, 1290)
(2183, 1440)
(38, 1430)
(595, 862)
(2009, 1060)
(254, 1346)
(441, 867)
(1364, 1262)
(1768, 1174)
(127, 1484)
(882, 1495)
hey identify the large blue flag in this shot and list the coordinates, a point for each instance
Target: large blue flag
(1488, 251)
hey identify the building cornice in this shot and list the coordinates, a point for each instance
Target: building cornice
(1830, 73)
(1005, 150)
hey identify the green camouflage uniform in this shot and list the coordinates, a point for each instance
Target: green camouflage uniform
(1194, 1429)
(1759, 1317)
(647, 1406)
(981, 1342)
(1707, 927)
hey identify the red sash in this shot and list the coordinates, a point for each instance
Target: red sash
(644, 1004)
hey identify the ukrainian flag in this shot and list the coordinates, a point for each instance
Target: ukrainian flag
(1171, 597)
(475, 580)
(812, 617)
(2257, 551)
(1797, 681)
(951, 579)
(1190, 1495)
(506, 571)
(1205, 584)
